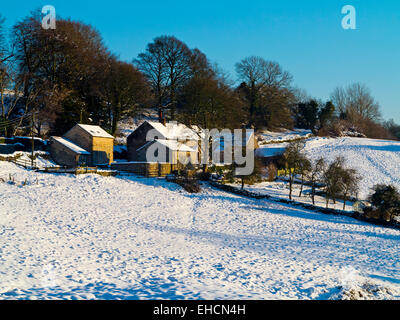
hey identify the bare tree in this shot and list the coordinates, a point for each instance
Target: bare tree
(167, 63)
(264, 83)
(350, 181)
(154, 66)
(125, 90)
(293, 159)
(315, 176)
(304, 169)
(356, 103)
(332, 180)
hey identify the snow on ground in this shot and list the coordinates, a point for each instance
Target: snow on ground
(280, 189)
(94, 237)
(266, 137)
(377, 161)
(271, 150)
(127, 126)
(42, 160)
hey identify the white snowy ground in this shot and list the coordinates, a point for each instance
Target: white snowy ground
(94, 237)
(41, 159)
(280, 189)
(377, 161)
(267, 137)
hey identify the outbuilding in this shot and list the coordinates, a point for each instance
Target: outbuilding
(83, 145)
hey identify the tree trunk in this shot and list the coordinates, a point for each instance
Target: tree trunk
(313, 194)
(290, 188)
(327, 201)
(302, 183)
(242, 183)
(344, 202)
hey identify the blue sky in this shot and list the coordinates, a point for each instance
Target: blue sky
(305, 37)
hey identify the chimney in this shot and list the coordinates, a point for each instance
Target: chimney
(160, 115)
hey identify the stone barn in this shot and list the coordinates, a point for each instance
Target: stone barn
(176, 138)
(67, 153)
(174, 151)
(89, 145)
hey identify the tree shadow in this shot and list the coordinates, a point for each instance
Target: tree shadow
(145, 289)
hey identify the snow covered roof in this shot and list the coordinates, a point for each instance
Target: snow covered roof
(95, 131)
(174, 130)
(176, 145)
(172, 145)
(70, 145)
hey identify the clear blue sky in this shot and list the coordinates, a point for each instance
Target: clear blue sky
(305, 37)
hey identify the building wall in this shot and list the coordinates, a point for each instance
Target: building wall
(65, 156)
(103, 150)
(80, 137)
(141, 155)
(193, 156)
(136, 140)
(145, 168)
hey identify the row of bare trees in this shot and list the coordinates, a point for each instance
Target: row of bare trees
(335, 178)
(65, 75)
(68, 75)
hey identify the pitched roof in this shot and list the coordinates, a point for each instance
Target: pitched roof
(176, 145)
(172, 145)
(70, 145)
(95, 131)
(174, 130)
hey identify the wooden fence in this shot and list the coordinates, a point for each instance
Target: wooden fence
(27, 164)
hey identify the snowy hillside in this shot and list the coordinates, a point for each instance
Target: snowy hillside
(88, 236)
(377, 161)
(266, 137)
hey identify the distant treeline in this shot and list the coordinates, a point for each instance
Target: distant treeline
(68, 75)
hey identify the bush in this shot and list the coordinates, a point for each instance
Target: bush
(204, 176)
(386, 200)
(272, 172)
(190, 185)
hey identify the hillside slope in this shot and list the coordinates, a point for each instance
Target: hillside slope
(65, 236)
(377, 161)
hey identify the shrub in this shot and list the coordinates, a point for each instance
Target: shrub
(204, 176)
(190, 185)
(340, 181)
(272, 171)
(386, 199)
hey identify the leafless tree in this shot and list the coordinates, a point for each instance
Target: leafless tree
(304, 169)
(350, 181)
(356, 103)
(167, 62)
(332, 180)
(266, 87)
(315, 175)
(293, 159)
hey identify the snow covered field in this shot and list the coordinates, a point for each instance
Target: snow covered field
(267, 137)
(88, 236)
(280, 189)
(377, 161)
